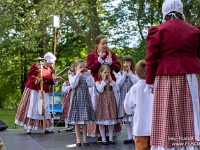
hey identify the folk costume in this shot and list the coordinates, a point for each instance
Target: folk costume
(125, 81)
(140, 103)
(93, 63)
(106, 108)
(81, 110)
(27, 113)
(173, 68)
(66, 89)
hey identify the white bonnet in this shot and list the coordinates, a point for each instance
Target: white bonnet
(172, 5)
(49, 57)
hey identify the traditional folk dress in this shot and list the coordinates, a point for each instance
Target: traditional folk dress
(67, 89)
(141, 104)
(93, 64)
(81, 110)
(106, 107)
(27, 113)
(125, 81)
(173, 62)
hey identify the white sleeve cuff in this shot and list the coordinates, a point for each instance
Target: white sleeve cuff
(108, 61)
(149, 88)
(100, 60)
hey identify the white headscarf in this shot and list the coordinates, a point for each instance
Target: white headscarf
(49, 57)
(172, 5)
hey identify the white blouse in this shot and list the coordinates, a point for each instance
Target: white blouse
(74, 79)
(121, 77)
(66, 88)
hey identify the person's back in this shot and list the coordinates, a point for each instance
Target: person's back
(173, 72)
(177, 43)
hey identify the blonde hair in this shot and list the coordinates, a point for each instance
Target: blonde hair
(76, 63)
(129, 58)
(101, 69)
(140, 69)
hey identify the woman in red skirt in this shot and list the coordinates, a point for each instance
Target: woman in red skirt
(28, 112)
(173, 71)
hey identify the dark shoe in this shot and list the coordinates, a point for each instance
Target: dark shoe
(86, 144)
(112, 142)
(78, 144)
(28, 133)
(49, 132)
(99, 140)
(104, 142)
(128, 141)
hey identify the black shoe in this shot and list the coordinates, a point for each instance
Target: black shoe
(78, 144)
(86, 144)
(28, 133)
(49, 132)
(112, 142)
(128, 141)
(104, 142)
(99, 140)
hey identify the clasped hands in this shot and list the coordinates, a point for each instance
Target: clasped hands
(108, 60)
(107, 77)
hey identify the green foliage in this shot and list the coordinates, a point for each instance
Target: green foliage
(8, 116)
(27, 32)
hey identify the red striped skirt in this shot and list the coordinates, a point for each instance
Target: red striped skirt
(21, 116)
(173, 118)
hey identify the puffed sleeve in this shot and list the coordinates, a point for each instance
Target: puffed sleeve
(121, 77)
(66, 88)
(100, 86)
(133, 77)
(198, 51)
(130, 101)
(74, 79)
(33, 72)
(92, 63)
(152, 54)
(89, 78)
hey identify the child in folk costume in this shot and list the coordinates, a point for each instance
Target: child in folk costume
(101, 55)
(28, 112)
(125, 79)
(66, 89)
(140, 102)
(81, 111)
(106, 107)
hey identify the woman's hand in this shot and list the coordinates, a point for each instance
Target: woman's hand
(109, 55)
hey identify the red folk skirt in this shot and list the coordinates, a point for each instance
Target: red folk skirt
(173, 119)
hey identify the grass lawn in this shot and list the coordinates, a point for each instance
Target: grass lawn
(8, 116)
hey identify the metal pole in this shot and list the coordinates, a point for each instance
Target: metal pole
(55, 42)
